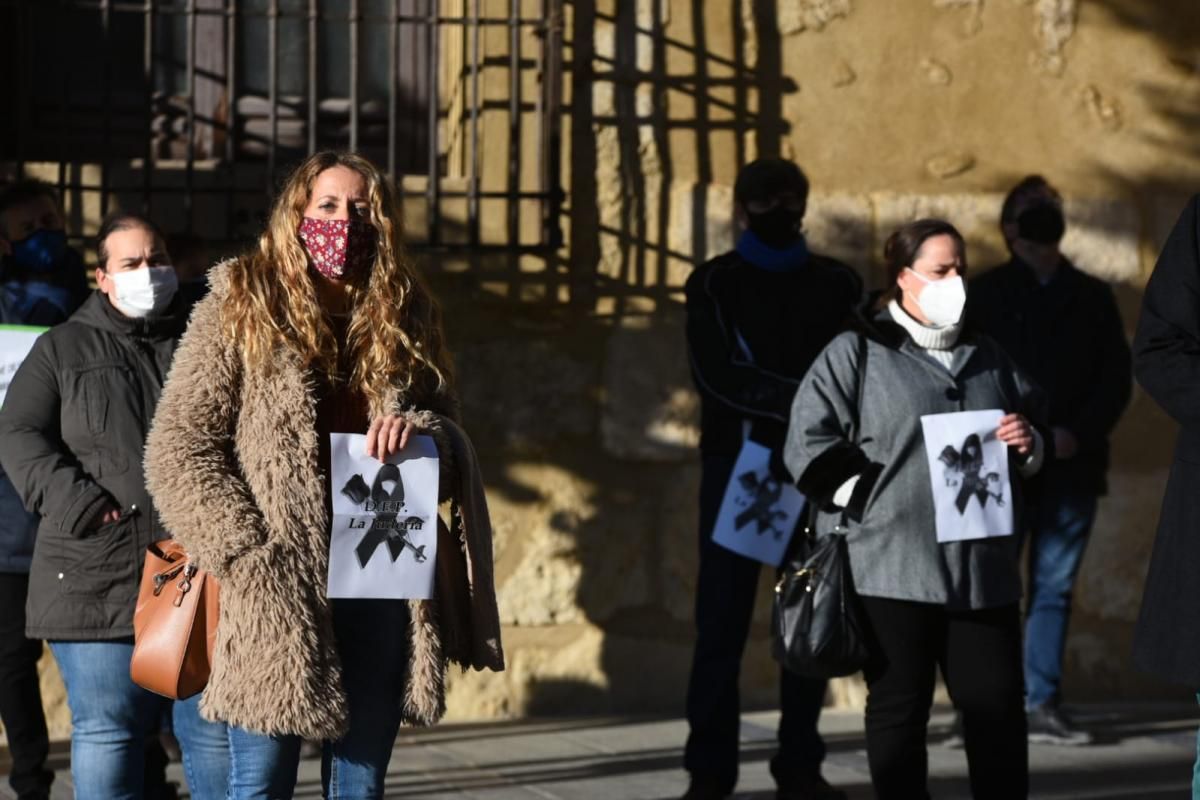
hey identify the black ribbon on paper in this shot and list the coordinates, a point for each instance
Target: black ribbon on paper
(968, 464)
(762, 497)
(386, 527)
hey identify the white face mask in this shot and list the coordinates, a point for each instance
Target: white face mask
(942, 301)
(145, 291)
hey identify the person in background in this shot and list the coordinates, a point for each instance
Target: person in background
(42, 280)
(928, 603)
(21, 711)
(1062, 327)
(1166, 357)
(190, 254)
(72, 431)
(756, 318)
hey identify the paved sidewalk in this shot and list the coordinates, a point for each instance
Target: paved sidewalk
(1144, 753)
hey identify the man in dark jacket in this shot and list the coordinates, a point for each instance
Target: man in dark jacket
(757, 318)
(72, 431)
(1063, 328)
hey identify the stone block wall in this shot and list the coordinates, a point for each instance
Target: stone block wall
(895, 110)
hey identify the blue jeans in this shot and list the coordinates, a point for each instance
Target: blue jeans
(112, 717)
(373, 645)
(1060, 524)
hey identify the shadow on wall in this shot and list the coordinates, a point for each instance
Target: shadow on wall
(1173, 97)
(584, 410)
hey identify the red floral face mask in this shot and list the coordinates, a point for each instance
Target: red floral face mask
(338, 248)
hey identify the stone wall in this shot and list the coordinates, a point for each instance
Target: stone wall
(895, 110)
(578, 394)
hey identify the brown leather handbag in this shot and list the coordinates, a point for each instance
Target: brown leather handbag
(174, 623)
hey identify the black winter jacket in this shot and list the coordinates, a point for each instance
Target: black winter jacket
(1068, 336)
(72, 431)
(752, 334)
(1167, 361)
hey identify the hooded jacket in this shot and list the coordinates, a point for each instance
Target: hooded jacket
(18, 527)
(232, 462)
(72, 431)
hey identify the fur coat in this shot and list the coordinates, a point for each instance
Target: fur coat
(232, 464)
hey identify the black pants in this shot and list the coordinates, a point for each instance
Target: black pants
(20, 695)
(979, 653)
(725, 592)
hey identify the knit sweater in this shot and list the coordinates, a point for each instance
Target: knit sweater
(938, 343)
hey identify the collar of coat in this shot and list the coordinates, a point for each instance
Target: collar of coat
(98, 312)
(878, 326)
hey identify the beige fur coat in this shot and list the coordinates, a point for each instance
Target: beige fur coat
(231, 463)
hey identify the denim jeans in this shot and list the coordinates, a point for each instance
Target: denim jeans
(1060, 524)
(373, 645)
(112, 716)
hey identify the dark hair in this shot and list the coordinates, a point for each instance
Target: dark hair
(903, 246)
(25, 191)
(120, 221)
(1029, 186)
(764, 179)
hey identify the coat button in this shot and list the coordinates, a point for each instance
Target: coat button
(953, 395)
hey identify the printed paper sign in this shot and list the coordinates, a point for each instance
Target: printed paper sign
(15, 343)
(968, 469)
(759, 512)
(384, 538)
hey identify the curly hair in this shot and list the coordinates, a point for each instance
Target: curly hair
(395, 333)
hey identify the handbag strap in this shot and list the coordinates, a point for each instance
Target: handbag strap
(860, 368)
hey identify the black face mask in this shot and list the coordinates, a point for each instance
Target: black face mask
(777, 228)
(1042, 224)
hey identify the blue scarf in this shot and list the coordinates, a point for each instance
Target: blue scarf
(791, 258)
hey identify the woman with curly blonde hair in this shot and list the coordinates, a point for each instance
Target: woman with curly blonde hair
(325, 328)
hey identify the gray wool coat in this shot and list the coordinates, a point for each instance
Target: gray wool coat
(892, 538)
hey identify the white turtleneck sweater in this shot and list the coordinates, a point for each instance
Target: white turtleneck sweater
(938, 344)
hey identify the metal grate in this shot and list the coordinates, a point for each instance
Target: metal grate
(192, 111)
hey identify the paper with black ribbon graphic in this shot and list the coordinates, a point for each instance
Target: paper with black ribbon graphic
(383, 543)
(759, 511)
(968, 471)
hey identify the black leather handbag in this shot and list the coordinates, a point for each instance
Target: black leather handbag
(817, 624)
